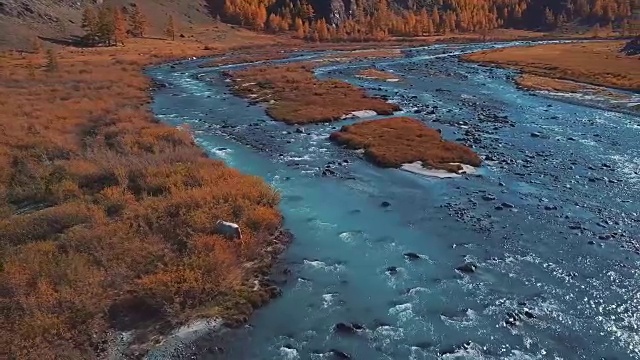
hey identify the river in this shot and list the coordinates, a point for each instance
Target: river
(552, 221)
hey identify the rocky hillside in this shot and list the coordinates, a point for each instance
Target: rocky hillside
(21, 20)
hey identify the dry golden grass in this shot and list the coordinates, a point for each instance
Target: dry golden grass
(596, 63)
(395, 141)
(377, 74)
(542, 83)
(247, 56)
(293, 94)
(106, 216)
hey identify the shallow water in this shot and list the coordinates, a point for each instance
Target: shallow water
(564, 248)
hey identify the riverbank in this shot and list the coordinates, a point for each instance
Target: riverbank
(598, 63)
(108, 217)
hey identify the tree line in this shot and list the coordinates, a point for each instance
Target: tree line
(107, 26)
(377, 19)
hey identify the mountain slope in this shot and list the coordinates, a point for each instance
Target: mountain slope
(22, 20)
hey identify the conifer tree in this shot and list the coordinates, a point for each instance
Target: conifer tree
(105, 26)
(119, 27)
(595, 31)
(52, 61)
(36, 45)
(90, 26)
(170, 29)
(299, 28)
(137, 22)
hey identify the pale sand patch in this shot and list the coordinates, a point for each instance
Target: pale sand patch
(360, 114)
(417, 168)
(196, 328)
(377, 78)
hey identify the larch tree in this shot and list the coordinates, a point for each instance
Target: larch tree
(137, 22)
(119, 27)
(90, 26)
(299, 28)
(52, 61)
(105, 26)
(170, 29)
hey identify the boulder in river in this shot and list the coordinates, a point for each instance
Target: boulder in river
(337, 354)
(467, 267)
(385, 204)
(347, 329)
(392, 270)
(411, 256)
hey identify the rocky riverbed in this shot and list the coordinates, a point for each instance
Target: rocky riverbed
(534, 256)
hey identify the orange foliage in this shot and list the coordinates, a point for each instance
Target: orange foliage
(597, 63)
(281, 86)
(396, 141)
(107, 217)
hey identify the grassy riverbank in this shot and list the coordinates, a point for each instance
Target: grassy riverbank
(596, 63)
(107, 216)
(394, 142)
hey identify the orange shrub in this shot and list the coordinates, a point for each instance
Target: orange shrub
(295, 96)
(396, 141)
(106, 216)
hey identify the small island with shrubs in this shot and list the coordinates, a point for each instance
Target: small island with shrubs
(399, 142)
(294, 95)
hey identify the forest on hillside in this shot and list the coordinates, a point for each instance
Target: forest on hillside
(366, 19)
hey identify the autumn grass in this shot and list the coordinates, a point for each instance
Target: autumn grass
(106, 216)
(294, 95)
(595, 63)
(393, 142)
(542, 83)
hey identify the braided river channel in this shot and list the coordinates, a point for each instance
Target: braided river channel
(551, 220)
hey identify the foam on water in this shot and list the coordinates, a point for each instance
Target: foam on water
(317, 264)
(289, 354)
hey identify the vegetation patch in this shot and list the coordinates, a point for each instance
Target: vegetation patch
(393, 142)
(595, 63)
(542, 83)
(107, 218)
(294, 95)
(245, 57)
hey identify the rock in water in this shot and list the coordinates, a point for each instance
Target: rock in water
(411, 256)
(343, 328)
(385, 204)
(337, 354)
(488, 197)
(467, 268)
